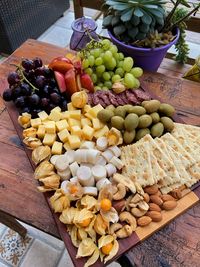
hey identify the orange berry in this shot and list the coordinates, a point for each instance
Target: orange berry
(107, 248)
(73, 189)
(25, 120)
(85, 222)
(105, 204)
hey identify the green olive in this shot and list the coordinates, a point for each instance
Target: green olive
(105, 115)
(127, 107)
(167, 110)
(137, 110)
(131, 122)
(168, 123)
(144, 102)
(144, 121)
(117, 122)
(110, 107)
(157, 129)
(155, 117)
(128, 137)
(120, 111)
(152, 106)
(141, 133)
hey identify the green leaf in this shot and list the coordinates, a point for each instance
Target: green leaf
(146, 18)
(107, 21)
(115, 21)
(127, 15)
(138, 12)
(156, 13)
(135, 20)
(133, 32)
(118, 30)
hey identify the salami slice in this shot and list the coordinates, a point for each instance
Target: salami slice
(120, 100)
(104, 96)
(131, 97)
(141, 95)
(113, 99)
(96, 99)
(124, 97)
(90, 99)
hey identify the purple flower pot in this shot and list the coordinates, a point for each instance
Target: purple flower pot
(147, 58)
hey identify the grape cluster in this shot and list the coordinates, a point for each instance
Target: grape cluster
(106, 66)
(32, 88)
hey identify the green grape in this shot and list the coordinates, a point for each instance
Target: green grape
(94, 77)
(130, 80)
(80, 54)
(106, 76)
(128, 64)
(98, 61)
(113, 49)
(120, 64)
(111, 73)
(111, 64)
(121, 56)
(116, 56)
(137, 83)
(107, 56)
(120, 71)
(88, 71)
(116, 78)
(137, 72)
(100, 84)
(106, 44)
(104, 88)
(91, 60)
(108, 84)
(100, 69)
(85, 63)
(96, 88)
(96, 52)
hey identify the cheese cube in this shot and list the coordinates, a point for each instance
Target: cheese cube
(49, 139)
(43, 115)
(85, 121)
(56, 109)
(76, 130)
(63, 135)
(86, 108)
(74, 141)
(70, 107)
(101, 132)
(55, 115)
(66, 146)
(57, 148)
(97, 124)
(88, 115)
(50, 127)
(88, 132)
(74, 122)
(41, 131)
(94, 111)
(75, 114)
(60, 125)
(65, 115)
(36, 122)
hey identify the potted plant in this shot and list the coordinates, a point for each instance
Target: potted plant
(145, 30)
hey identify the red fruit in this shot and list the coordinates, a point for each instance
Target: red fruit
(64, 59)
(86, 82)
(60, 78)
(78, 82)
(70, 82)
(78, 66)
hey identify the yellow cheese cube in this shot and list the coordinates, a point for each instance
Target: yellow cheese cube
(41, 131)
(97, 124)
(36, 122)
(66, 146)
(86, 108)
(56, 109)
(94, 111)
(65, 115)
(50, 127)
(85, 121)
(74, 122)
(102, 132)
(76, 130)
(70, 107)
(43, 115)
(88, 115)
(60, 125)
(74, 141)
(57, 148)
(63, 135)
(49, 139)
(88, 132)
(75, 114)
(55, 115)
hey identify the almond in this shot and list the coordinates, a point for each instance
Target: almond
(154, 207)
(176, 193)
(151, 190)
(144, 221)
(156, 199)
(146, 197)
(119, 205)
(169, 205)
(137, 212)
(167, 197)
(158, 193)
(156, 216)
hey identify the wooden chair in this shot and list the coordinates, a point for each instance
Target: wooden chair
(93, 4)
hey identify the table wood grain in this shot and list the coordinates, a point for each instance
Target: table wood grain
(175, 245)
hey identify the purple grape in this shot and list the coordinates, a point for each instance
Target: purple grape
(7, 95)
(16, 92)
(40, 71)
(34, 113)
(51, 106)
(63, 105)
(52, 83)
(40, 81)
(20, 102)
(55, 98)
(48, 73)
(44, 102)
(13, 78)
(25, 109)
(34, 100)
(56, 90)
(25, 89)
(47, 90)
(31, 75)
(27, 64)
(37, 62)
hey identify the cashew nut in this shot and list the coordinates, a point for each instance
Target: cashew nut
(136, 198)
(120, 194)
(114, 189)
(127, 217)
(139, 188)
(137, 212)
(124, 232)
(143, 205)
(114, 227)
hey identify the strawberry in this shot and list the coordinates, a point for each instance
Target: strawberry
(86, 82)
(60, 78)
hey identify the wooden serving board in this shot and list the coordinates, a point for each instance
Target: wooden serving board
(169, 95)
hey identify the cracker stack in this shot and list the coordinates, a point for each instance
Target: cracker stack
(170, 161)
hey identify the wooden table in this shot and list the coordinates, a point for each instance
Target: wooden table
(176, 245)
